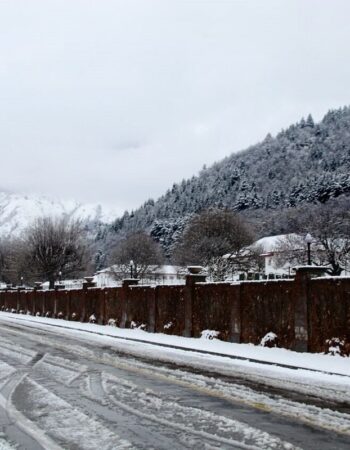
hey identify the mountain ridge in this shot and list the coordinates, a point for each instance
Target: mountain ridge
(17, 211)
(305, 163)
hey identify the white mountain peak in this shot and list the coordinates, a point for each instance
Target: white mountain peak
(17, 211)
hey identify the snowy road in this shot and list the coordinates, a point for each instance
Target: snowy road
(59, 391)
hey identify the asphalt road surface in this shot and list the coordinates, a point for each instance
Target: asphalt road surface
(63, 392)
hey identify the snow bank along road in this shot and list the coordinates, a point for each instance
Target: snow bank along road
(67, 389)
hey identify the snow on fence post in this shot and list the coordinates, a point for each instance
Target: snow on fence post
(194, 276)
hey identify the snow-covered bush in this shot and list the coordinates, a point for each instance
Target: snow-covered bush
(13, 310)
(48, 314)
(336, 346)
(38, 314)
(112, 322)
(74, 316)
(60, 315)
(210, 334)
(92, 318)
(135, 325)
(21, 311)
(269, 340)
(168, 325)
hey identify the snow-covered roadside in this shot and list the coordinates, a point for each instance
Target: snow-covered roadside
(4, 444)
(329, 376)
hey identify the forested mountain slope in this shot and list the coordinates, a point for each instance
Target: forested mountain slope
(306, 163)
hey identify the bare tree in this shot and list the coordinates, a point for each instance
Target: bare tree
(331, 241)
(332, 235)
(135, 255)
(290, 250)
(13, 266)
(54, 245)
(4, 261)
(211, 235)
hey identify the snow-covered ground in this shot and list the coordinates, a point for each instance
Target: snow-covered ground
(326, 376)
(74, 385)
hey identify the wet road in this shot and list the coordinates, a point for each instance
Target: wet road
(60, 392)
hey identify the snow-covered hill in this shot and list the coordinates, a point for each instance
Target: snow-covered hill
(17, 211)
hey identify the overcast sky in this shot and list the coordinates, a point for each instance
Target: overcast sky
(112, 101)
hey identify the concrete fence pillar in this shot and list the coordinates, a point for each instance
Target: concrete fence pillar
(88, 282)
(124, 298)
(151, 303)
(301, 305)
(194, 276)
(236, 314)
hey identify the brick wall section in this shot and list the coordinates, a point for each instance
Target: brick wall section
(329, 311)
(113, 304)
(170, 310)
(72, 304)
(63, 300)
(138, 306)
(268, 307)
(303, 313)
(212, 306)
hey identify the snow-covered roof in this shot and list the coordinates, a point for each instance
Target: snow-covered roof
(269, 243)
(265, 245)
(161, 270)
(66, 283)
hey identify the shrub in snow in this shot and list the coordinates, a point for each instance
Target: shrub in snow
(2, 308)
(7, 310)
(13, 310)
(209, 334)
(269, 340)
(48, 314)
(112, 322)
(29, 313)
(168, 325)
(60, 315)
(336, 346)
(74, 316)
(38, 314)
(21, 311)
(92, 318)
(135, 325)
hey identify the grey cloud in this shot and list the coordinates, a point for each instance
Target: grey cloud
(113, 101)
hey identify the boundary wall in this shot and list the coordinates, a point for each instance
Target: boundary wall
(304, 312)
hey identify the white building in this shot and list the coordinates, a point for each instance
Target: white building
(271, 248)
(165, 274)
